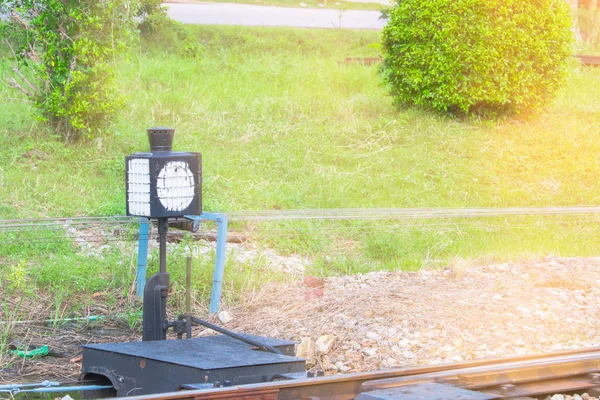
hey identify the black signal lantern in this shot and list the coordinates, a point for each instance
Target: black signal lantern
(163, 183)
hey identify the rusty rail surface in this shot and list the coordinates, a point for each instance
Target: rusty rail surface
(517, 376)
(585, 59)
(590, 61)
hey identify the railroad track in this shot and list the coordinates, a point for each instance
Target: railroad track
(590, 61)
(512, 377)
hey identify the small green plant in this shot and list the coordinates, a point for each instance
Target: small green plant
(476, 56)
(64, 53)
(133, 316)
(58, 314)
(17, 276)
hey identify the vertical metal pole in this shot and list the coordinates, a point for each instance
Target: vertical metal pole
(215, 299)
(163, 228)
(188, 298)
(188, 286)
(142, 255)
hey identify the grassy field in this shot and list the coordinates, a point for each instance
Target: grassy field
(284, 123)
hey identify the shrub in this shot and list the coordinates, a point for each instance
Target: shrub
(476, 56)
(64, 53)
(151, 14)
(159, 31)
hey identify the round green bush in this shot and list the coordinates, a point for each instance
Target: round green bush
(476, 56)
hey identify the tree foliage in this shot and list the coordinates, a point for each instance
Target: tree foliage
(64, 54)
(151, 14)
(466, 56)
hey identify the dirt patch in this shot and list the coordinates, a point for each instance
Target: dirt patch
(63, 364)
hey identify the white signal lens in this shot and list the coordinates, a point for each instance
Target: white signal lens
(175, 186)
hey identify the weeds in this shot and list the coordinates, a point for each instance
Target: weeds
(133, 317)
(58, 314)
(10, 314)
(17, 277)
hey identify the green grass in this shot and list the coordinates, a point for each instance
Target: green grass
(283, 123)
(349, 247)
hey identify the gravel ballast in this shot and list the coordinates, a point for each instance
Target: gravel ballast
(464, 312)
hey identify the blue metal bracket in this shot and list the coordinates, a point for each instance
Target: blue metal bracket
(222, 222)
(142, 255)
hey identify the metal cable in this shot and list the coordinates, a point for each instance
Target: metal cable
(395, 213)
(58, 219)
(311, 214)
(290, 231)
(441, 221)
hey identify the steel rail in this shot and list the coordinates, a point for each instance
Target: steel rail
(521, 378)
(569, 367)
(589, 60)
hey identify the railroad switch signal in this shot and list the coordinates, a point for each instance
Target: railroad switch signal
(166, 186)
(162, 184)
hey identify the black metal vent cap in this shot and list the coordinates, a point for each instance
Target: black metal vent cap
(161, 138)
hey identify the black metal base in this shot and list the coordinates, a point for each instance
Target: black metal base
(155, 307)
(139, 368)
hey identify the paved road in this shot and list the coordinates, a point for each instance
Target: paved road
(251, 15)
